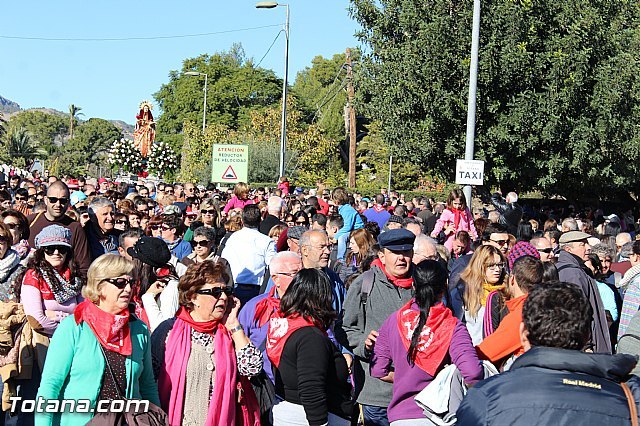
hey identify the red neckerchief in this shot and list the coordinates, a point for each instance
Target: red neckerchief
(280, 329)
(139, 311)
(266, 307)
(398, 282)
(457, 215)
(202, 327)
(435, 337)
(112, 331)
(378, 208)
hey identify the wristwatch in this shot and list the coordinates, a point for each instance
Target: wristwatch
(236, 328)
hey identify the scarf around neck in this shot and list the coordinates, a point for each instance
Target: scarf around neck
(173, 374)
(8, 264)
(280, 329)
(457, 215)
(435, 337)
(398, 282)
(112, 331)
(22, 248)
(488, 288)
(62, 286)
(266, 307)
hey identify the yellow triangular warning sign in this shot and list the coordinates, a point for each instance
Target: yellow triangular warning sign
(229, 174)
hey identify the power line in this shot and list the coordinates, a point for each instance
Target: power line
(138, 38)
(269, 49)
(342, 86)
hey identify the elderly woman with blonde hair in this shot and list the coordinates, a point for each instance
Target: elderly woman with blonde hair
(101, 352)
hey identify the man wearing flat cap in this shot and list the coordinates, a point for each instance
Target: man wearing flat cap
(371, 298)
(571, 268)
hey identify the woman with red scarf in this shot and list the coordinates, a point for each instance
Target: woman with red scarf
(311, 374)
(418, 341)
(455, 218)
(202, 356)
(101, 352)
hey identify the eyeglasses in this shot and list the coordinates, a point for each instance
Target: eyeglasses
(154, 227)
(212, 211)
(121, 222)
(166, 228)
(545, 250)
(216, 291)
(495, 265)
(301, 222)
(12, 225)
(288, 274)
(54, 200)
(51, 250)
(500, 242)
(19, 198)
(201, 243)
(120, 282)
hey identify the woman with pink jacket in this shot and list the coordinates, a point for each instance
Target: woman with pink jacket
(456, 217)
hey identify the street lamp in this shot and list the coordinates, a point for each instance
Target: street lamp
(283, 125)
(204, 111)
(473, 85)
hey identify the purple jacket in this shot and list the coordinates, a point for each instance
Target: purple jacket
(409, 381)
(257, 335)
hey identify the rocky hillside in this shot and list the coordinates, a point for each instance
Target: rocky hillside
(7, 106)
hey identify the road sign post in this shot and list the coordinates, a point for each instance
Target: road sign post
(230, 163)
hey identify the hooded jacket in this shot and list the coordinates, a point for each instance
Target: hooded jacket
(551, 386)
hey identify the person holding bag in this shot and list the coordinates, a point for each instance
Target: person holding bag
(418, 341)
(101, 352)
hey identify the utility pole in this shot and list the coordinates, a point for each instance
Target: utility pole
(352, 122)
(473, 86)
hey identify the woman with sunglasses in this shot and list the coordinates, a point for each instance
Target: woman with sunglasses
(485, 274)
(102, 352)
(202, 355)
(154, 227)
(210, 218)
(203, 243)
(10, 264)
(19, 228)
(49, 290)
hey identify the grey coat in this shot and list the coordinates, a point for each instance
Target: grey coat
(570, 270)
(358, 321)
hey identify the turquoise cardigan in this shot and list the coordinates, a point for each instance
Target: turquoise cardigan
(75, 365)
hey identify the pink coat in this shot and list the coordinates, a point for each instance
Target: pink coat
(448, 217)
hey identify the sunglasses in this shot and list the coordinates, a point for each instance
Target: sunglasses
(54, 200)
(500, 242)
(20, 198)
(212, 211)
(121, 222)
(4, 240)
(545, 250)
(155, 227)
(166, 228)
(12, 225)
(202, 243)
(216, 291)
(51, 250)
(120, 282)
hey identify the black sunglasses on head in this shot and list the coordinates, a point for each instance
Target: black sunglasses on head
(50, 250)
(216, 291)
(120, 282)
(54, 200)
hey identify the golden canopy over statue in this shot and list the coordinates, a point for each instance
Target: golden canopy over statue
(145, 131)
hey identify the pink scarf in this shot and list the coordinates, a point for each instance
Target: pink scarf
(173, 376)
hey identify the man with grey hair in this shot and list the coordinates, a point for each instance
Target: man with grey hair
(574, 251)
(569, 224)
(57, 202)
(543, 245)
(101, 235)
(509, 209)
(274, 212)
(424, 248)
(622, 239)
(494, 216)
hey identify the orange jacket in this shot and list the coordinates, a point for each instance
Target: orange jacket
(505, 341)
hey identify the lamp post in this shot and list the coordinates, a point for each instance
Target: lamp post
(283, 125)
(473, 85)
(204, 111)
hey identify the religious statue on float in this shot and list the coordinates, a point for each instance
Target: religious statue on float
(145, 130)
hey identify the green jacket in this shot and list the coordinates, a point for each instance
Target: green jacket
(75, 365)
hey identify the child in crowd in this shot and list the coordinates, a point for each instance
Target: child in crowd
(455, 218)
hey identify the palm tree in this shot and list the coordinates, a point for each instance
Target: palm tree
(21, 147)
(74, 113)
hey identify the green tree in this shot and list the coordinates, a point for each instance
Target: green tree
(235, 87)
(21, 148)
(74, 113)
(89, 146)
(558, 89)
(44, 128)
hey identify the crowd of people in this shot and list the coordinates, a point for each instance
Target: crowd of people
(292, 306)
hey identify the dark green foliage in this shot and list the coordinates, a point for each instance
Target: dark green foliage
(558, 89)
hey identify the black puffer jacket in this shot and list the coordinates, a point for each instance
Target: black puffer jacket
(549, 386)
(510, 213)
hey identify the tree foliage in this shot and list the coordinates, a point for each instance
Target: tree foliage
(20, 147)
(74, 113)
(558, 88)
(45, 129)
(235, 87)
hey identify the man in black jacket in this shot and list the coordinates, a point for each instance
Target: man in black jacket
(554, 382)
(509, 209)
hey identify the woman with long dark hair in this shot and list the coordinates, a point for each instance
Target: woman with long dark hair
(310, 372)
(418, 341)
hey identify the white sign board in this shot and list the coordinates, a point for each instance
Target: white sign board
(469, 172)
(230, 163)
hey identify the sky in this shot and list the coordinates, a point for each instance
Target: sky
(109, 79)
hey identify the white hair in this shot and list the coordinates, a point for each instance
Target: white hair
(421, 243)
(274, 204)
(281, 258)
(512, 197)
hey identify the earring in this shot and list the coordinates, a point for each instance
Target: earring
(197, 306)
